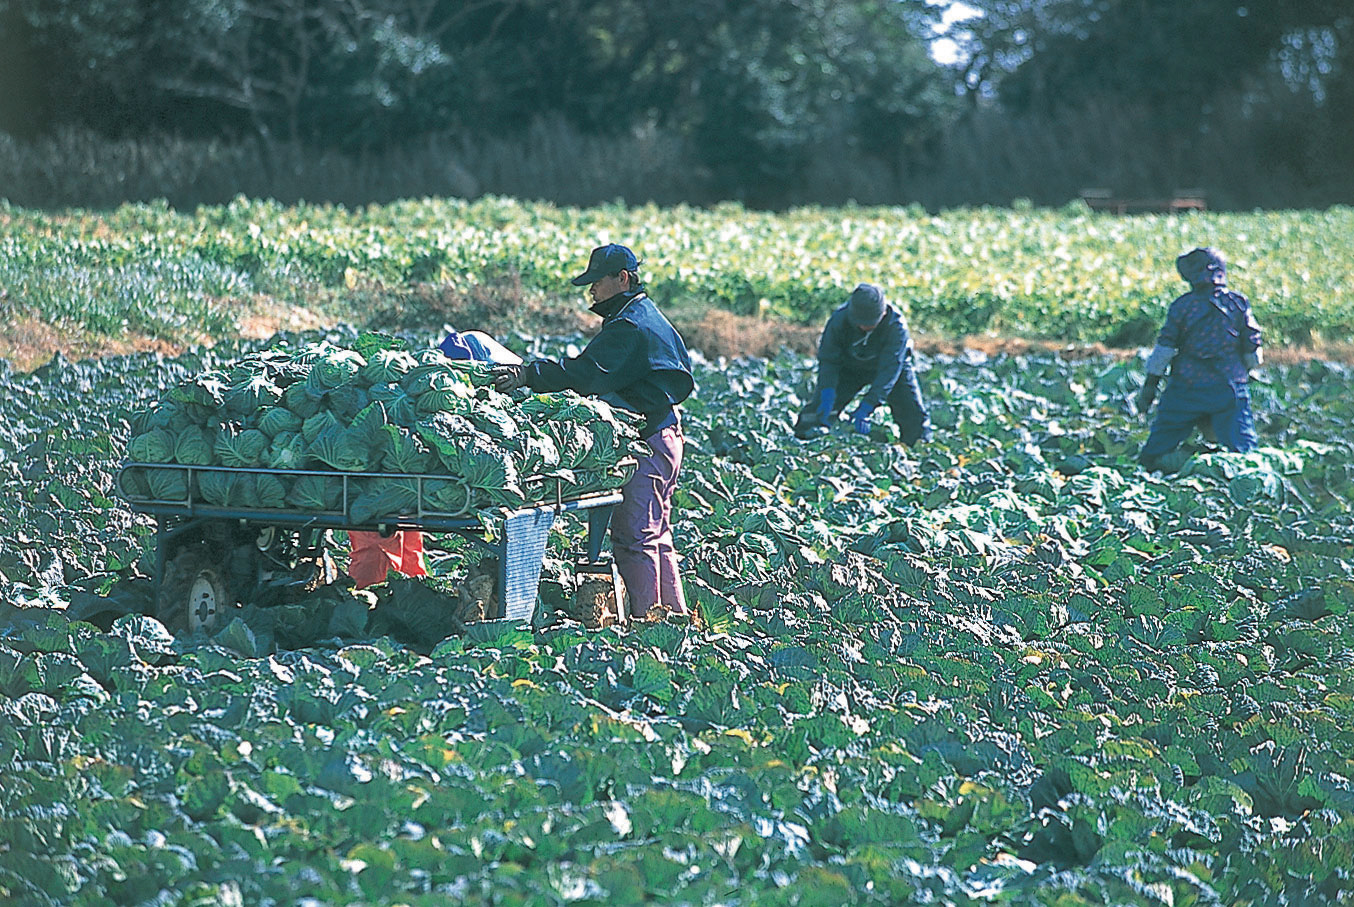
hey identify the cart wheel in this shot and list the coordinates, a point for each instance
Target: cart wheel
(266, 539)
(193, 595)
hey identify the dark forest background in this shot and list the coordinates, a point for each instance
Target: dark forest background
(773, 103)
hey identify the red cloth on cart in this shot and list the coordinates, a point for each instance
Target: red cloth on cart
(374, 555)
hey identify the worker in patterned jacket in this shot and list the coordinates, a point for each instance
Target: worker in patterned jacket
(1209, 345)
(865, 345)
(637, 361)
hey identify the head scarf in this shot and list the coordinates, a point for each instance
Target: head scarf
(1202, 267)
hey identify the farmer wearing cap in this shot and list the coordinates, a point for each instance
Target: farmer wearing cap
(866, 345)
(1209, 344)
(638, 362)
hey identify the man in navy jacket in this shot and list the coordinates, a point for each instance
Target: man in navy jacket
(637, 361)
(865, 345)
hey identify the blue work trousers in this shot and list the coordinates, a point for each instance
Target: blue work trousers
(1183, 406)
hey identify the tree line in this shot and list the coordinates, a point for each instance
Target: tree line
(773, 102)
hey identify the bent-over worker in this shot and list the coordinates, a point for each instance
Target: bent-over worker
(865, 344)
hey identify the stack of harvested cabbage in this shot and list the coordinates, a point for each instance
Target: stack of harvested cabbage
(289, 423)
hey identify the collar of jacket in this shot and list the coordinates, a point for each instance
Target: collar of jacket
(611, 307)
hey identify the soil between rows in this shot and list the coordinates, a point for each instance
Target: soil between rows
(27, 343)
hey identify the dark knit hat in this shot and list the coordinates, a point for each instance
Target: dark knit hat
(866, 305)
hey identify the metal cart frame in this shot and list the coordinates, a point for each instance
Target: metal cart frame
(519, 544)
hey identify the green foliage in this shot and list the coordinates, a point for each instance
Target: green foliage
(155, 446)
(241, 447)
(1026, 273)
(1009, 666)
(359, 428)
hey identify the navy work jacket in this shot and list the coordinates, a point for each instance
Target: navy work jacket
(637, 361)
(1212, 330)
(878, 355)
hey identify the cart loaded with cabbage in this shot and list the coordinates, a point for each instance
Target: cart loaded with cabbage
(250, 470)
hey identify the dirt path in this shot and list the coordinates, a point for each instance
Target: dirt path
(27, 343)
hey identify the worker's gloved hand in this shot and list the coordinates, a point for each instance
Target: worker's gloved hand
(826, 397)
(1144, 401)
(1148, 395)
(861, 419)
(507, 377)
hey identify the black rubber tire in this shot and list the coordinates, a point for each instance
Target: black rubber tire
(193, 594)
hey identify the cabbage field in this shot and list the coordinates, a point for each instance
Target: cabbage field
(1067, 275)
(1007, 667)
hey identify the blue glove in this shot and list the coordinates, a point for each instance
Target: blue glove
(826, 397)
(861, 420)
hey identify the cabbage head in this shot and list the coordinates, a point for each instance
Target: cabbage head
(155, 446)
(133, 484)
(194, 446)
(275, 420)
(251, 395)
(406, 452)
(494, 422)
(572, 440)
(317, 424)
(333, 368)
(369, 426)
(240, 447)
(157, 415)
(535, 452)
(219, 487)
(387, 367)
(316, 492)
(470, 456)
(181, 417)
(341, 449)
(384, 498)
(347, 401)
(604, 451)
(440, 376)
(301, 401)
(488, 468)
(260, 489)
(443, 401)
(168, 484)
(399, 406)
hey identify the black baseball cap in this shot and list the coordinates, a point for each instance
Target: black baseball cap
(604, 261)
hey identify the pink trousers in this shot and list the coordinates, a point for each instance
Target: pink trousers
(641, 528)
